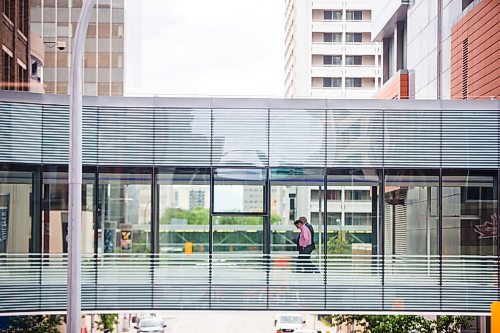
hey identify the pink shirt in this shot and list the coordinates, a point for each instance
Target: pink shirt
(305, 236)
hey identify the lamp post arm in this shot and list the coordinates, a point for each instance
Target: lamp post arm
(75, 172)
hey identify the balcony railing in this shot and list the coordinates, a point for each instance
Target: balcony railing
(406, 284)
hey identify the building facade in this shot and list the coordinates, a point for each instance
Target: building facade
(424, 43)
(328, 50)
(475, 62)
(15, 43)
(55, 22)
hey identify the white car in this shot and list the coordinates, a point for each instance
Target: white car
(151, 325)
(288, 323)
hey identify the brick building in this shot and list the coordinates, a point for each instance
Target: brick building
(15, 42)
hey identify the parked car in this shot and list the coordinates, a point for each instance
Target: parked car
(151, 325)
(288, 323)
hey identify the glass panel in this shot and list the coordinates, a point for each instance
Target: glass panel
(124, 212)
(470, 213)
(184, 198)
(239, 190)
(295, 193)
(15, 211)
(352, 198)
(411, 212)
(237, 233)
(55, 212)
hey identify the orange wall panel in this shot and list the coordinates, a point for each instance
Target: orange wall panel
(480, 26)
(396, 88)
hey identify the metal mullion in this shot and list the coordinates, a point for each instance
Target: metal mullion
(382, 232)
(155, 225)
(36, 219)
(325, 235)
(96, 232)
(210, 237)
(440, 236)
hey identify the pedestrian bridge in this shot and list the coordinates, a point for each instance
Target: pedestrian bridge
(351, 283)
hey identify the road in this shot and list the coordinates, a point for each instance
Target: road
(226, 322)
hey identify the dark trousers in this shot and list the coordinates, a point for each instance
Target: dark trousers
(304, 262)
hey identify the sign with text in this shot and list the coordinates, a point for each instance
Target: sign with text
(4, 221)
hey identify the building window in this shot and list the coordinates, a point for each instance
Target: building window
(354, 15)
(357, 195)
(466, 3)
(8, 8)
(330, 37)
(23, 17)
(335, 60)
(332, 15)
(7, 71)
(358, 219)
(332, 82)
(353, 60)
(354, 37)
(22, 77)
(353, 82)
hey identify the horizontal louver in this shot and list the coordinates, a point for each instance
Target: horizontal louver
(90, 135)
(240, 137)
(126, 136)
(55, 129)
(182, 137)
(297, 138)
(355, 138)
(204, 136)
(470, 139)
(20, 132)
(411, 138)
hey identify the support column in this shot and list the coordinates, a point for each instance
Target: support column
(75, 173)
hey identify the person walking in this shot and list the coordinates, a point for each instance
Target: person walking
(304, 247)
(311, 229)
(309, 226)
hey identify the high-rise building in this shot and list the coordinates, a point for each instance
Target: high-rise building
(15, 43)
(328, 49)
(55, 22)
(438, 49)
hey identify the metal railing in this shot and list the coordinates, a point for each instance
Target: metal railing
(229, 281)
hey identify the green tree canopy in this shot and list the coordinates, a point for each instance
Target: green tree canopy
(200, 215)
(402, 323)
(34, 324)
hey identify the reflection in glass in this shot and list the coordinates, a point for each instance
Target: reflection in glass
(238, 233)
(411, 212)
(184, 198)
(124, 212)
(470, 218)
(352, 209)
(239, 190)
(55, 212)
(15, 211)
(295, 192)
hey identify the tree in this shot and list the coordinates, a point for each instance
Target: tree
(336, 245)
(34, 324)
(107, 322)
(403, 323)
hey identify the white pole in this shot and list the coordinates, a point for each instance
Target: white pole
(75, 172)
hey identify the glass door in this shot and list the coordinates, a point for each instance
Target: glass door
(239, 210)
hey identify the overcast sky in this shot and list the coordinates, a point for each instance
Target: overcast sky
(204, 47)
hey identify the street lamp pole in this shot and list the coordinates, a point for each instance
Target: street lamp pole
(75, 172)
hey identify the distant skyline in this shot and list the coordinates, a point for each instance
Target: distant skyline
(199, 47)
